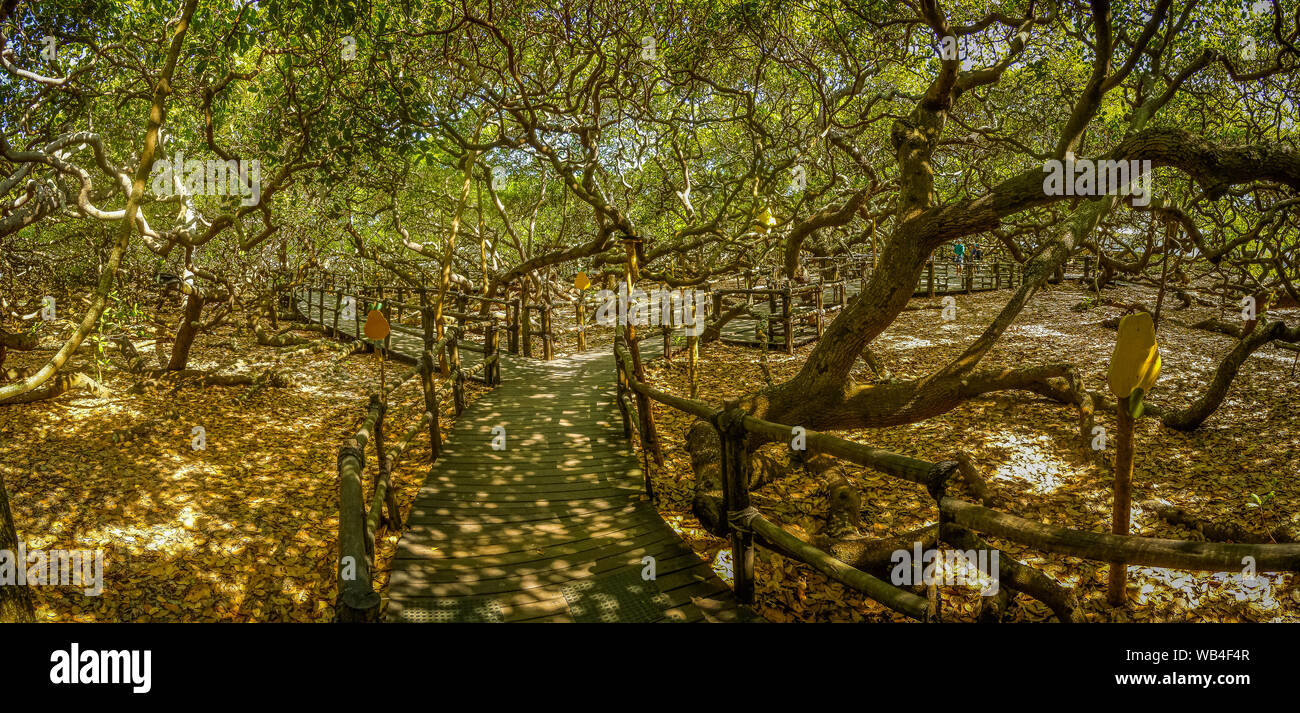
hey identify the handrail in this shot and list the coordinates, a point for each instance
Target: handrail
(779, 293)
(748, 527)
(879, 459)
(357, 598)
(691, 406)
(359, 522)
(1131, 549)
(768, 534)
(897, 599)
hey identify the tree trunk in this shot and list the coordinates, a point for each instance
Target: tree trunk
(15, 602)
(1202, 408)
(62, 384)
(1122, 503)
(188, 330)
(157, 113)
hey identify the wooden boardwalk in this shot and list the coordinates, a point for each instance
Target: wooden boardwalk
(554, 526)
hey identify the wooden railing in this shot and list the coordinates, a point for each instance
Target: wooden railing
(787, 307)
(531, 327)
(959, 520)
(360, 519)
(475, 312)
(975, 276)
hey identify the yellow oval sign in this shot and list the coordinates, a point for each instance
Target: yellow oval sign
(1135, 364)
(581, 282)
(376, 325)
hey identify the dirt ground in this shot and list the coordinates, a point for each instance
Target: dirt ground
(245, 529)
(1028, 449)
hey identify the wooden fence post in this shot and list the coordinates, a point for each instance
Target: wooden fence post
(667, 323)
(338, 308)
(649, 434)
(387, 311)
(787, 321)
(929, 269)
(380, 455)
(820, 305)
(426, 320)
(620, 378)
(582, 328)
(458, 374)
(358, 306)
(453, 347)
(548, 337)
(735, 474)
(693, 359)
(526, 324)
(426, 377)
(1122, 503)
(427, 365)
(491, 372)
(772, 316)
(357, 600)
(516, 307)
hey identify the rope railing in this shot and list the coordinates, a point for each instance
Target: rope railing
(958, 519)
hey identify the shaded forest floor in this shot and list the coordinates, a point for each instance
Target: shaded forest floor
(246, 529)
(243, 530)
(1028, 450)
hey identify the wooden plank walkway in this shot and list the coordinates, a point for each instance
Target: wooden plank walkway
(554, 526)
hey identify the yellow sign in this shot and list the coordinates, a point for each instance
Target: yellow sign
(581, 282)
(1136, 362)
(376, 325)
(764, 221)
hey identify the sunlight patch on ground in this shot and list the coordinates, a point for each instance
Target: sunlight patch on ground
(1030, 462)
(145, 540)
(683, 529)
(1277, 355)
(1257, 589)
(1036, 330)
(721, 565)
(906, 342)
